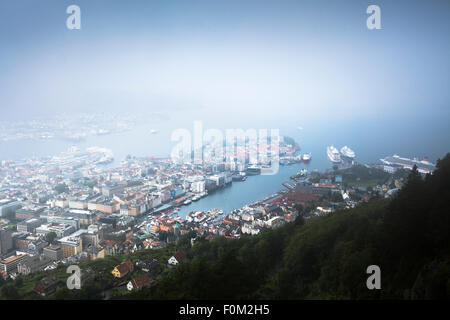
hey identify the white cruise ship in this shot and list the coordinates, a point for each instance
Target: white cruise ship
(347, 153)
(333, 154)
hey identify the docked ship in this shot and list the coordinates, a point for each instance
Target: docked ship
(423, 166)
(105, 160)
(333, 154)
(347, 153)
(306, 157)
(239, 176)
(302, 173)
(253, 170)
(215, 212)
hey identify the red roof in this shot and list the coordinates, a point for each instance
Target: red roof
(141, 281)
(125, 267)
(179, 255)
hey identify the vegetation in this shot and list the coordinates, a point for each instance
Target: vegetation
(362, 176)
(289, 140)
(90, 183)
(61, 188)
(50, 237)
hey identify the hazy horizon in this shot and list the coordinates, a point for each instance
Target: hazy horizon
(265, 59)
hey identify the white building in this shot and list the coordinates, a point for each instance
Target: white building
(198, 186)
(249, 229)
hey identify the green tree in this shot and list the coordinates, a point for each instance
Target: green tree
(50, 237)
(300, 209)
(10, 292)
(61, 188)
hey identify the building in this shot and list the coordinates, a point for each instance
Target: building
(8, 207)
(9, 264)
(29, 211)
(105, 205)
(80, 203)
(63, 219)
(122, 269)
(54, 253)
(84, 217)
(33, 264)
(61, 229)
(139, 282)
(94, 253)
(72, 244)
(151, 267)
(176, 258)
(47, 286)
(198, 186)
(29, 225)
(6, 243)
(62, 203)
(29, 243)
(249, 229)
(111, 190)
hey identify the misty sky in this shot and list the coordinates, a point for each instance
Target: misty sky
(312, 58)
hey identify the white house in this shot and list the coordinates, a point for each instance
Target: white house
(173, 261)
(139, 283)
(176, 258)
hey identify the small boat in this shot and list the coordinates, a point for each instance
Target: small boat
(306, 157)
(239, 176)
(215, 212)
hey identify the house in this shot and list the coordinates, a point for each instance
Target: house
(139, 282)
(122, 269)
(177, 258)
(151, 267)
(47, 286)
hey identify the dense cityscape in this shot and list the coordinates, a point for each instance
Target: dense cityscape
(72, 207)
